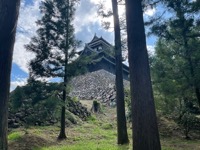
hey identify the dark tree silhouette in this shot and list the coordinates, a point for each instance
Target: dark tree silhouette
(145, 130)
(9, 10)
(122, 135)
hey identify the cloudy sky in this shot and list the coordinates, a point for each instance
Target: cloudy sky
(86, 24)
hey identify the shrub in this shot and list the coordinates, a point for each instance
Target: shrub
(189, 121)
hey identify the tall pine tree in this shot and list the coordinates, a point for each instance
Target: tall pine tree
(121, 118)
(182, 32)
(145, 129)
(9, 11)
(54, 45)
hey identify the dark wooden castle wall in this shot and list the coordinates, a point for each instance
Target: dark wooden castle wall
(103, 64)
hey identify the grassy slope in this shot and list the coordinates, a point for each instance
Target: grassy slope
(98, 133)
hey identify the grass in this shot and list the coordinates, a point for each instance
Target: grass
(99, 132)
(90, 145)
(179, 144)
(13, 136)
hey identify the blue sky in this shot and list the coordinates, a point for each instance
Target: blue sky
(86, 24)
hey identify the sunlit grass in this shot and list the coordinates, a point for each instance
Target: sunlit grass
(92, 135)
(89, 145)
(15, 136)
(97, 133)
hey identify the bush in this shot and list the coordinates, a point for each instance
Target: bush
(96, 107)
(189, 121)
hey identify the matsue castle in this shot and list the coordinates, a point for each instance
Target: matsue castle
(104, 58)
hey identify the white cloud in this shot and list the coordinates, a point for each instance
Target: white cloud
(108, 7)
(86, 13)
(18, 82)
(87, 16)
(150, 11)
(151, 49)
(86, 19)
(86, 22)
(29, 14)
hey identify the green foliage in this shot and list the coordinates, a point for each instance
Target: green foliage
(55, 44)
(71, 117)
(189, 119)
(40, 101)
(13, 136)
(96, 107)
(172, 80)
(95, 102)
(175, 66)
(91, 135)
(75, 99)
(35, 91)
(17, 97)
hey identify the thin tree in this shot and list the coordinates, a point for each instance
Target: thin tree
(145, 130)
(54, 46)
(121, 118)
(9, 11)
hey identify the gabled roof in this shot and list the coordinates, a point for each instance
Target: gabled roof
(87, 47)
(95, 38)
(108, 58)
(101, 55)
(94, 41)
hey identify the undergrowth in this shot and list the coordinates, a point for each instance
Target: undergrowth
(99, 132)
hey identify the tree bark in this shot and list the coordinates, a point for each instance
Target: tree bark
(122, 136)
(145, 130)
(9, 10)
(62, 134)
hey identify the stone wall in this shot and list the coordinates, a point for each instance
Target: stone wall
(98, 85)
(39, 116)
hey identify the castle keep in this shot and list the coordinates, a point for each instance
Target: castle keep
(104, 56)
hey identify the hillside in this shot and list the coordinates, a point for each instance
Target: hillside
(97, 133)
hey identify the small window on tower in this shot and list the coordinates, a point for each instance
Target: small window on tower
(100, 47)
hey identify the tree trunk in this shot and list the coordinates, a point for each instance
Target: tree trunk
(197, 91)
(145, 130)
(96, 107)
(62, 134)
(122, 135)
(9, 10)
